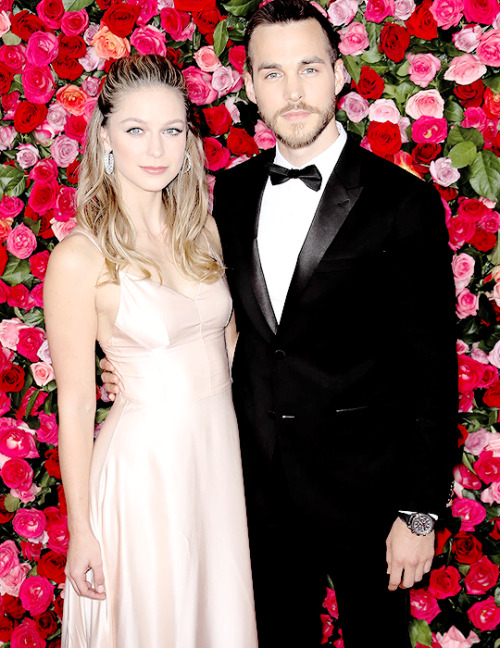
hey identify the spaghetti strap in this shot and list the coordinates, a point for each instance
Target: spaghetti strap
(87, 234)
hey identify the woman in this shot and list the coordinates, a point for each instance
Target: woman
(158, 554)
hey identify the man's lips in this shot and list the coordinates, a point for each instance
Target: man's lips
(295, 115)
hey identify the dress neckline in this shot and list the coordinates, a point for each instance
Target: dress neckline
(161, 285)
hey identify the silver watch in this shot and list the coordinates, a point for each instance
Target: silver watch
(419, 523)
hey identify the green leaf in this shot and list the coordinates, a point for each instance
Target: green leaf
(460, 134)
(31, 401)
(16, 186)
(11, 39)
(403, 69)
(11, 503)
(402, 91)
(34, 317)
(420, 632)
(493, 83)
(16, 271)
(221, 36)
(240, 7)
(358, 129)
(76, 5)
(453, 111)
(462, 154)
(485, 175)
(353, 67)
(9, 177)
(371, 56)
(497, 596)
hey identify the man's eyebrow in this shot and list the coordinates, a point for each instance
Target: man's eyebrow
(276, 66)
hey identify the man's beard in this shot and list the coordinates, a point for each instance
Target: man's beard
(298, 137)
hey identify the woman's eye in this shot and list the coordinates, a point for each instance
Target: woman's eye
(173, 131)
(135, 131)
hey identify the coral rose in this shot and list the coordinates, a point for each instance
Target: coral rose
(109, 46)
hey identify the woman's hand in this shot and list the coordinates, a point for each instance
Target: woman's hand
(84, 553)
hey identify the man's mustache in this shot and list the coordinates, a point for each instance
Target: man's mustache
(297, 106)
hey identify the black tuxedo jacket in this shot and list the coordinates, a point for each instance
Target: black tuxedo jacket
(357, 386)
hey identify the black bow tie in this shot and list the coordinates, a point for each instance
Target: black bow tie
(309, 175)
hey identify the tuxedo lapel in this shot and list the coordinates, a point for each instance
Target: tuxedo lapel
(339, 197)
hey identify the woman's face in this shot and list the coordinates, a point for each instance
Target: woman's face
(147, 134)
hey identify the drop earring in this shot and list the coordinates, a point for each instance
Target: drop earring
(109, 162)
(187, 159)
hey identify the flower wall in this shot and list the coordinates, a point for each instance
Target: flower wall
(423, 90)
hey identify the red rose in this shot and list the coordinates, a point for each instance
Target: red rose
(447, 193)
(28, 116)
(194, 5)
(471, 94)
(487, 467)
(174, 22)
(12, 379)
(51, 12)
(370, 84)
(18, 296)
(466, 548)
(423, 154)
(485, 615)
(72, 171)
(394, 41)
(470, 373)
(216, 155)
(482, 576)
(31, 550)
(6, 628)
(492, 103)
(39, 401)
(58, 536)
(12, 606)
(384, 138)
(38, 264)
(442, 537)
(218, 119)
(4, 257)
(121, 18)
(43, 196)
(240, 142)
(422, 23)
(5, 516)
(58, 604)
(47, 622)
(237, 57)
(24, 23)
(173, 56)
(444, 582)
(5, 79)
(483, 241)
(67, 68)
(17, 473)
(26, 634)
(72, 46)
(51, 565)
(207, 21)
(52, 463)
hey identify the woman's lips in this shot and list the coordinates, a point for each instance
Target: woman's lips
(154, 170)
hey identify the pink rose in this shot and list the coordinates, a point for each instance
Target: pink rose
(429, 130)
(341, 12)
(474, 117)
(482, 576)
(48, 431)
(13, 57)
(30, 340)
(9, 557)
(225, 80)
(92, 61)
(447, 13)
(467, 39)
(62, 229)
(423, 605)
(485, 615)
(36, 594)
(443, 172)
(488, 51)
(27, 634)
(27, 155)
(65, 207)
(264, 137)
(467, 304)
(477, 441)
(463, 269)
(74, 23)
(423, 68)
(383, 110)
(50, 12)
(42, 48)
(91, 86)
(199, 86)
(355, 106)
(9, 332)
(58, 535)
(29, 523)
(7, 137)
(494, 355)
(21, 242)
(206, 59)
(42, 373)
(462, 347)
(491, 495)
(10, 584)
(17, 473)
(10, 207)
(455, 639)
(64, 150)
(4, 23)
(465, 69)
(378, 10)
(17, 442)
(354, 39)
(466, 478)
(490, 222)
(149, 40)
(403, 9)
(44, 171)
(487, 467)
(428, 103)
(481, 11)
(38, 84)
(471, 512)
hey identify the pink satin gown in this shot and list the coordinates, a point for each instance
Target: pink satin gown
(166, 489)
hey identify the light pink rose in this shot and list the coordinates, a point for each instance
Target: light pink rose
(42, 373)
(355, 106)
(26, 494)
(7, 137)
(21, 242)
(494, 444)
(44, 353)
(465, 69)
(56, 117)
(42, 48)
(467, 39)
(426, 103)
(149, 40)
(199, 86)
(38, 84)
(9, 332)
(354, 39)
(494, 355)
(462, 347)
(27, 155)
(9, 557)
(12, 582)
(91, 86)
(481, 356)
(4, 22)
(264, 137)
(477, 441)
(492, 494)
(383, 110)
(92, 61)
(423, 68)
(403, 9)
(467, 304)
(471, 512)
(232, 108)
(488, 51)
(206, 59)
(455, 639)
(62, 229)
(463, 269)
(225, 80)
(447, 13)
(483, 12)
(443, 172)
(404, 124)
(496, 23)
(341, 12)
(64, 150)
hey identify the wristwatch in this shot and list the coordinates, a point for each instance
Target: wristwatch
(419, 523)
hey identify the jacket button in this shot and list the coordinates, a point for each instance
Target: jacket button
(271, 414)
(279, 354)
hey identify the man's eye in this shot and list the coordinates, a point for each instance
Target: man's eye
(310, 70)
(272, 75)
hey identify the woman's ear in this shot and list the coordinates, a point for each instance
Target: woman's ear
(105, 138)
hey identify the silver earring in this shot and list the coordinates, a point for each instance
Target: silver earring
(187, 159)
(109, 162)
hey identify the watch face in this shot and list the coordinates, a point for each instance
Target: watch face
(422, 524)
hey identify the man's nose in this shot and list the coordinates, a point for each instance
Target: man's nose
(293, 89)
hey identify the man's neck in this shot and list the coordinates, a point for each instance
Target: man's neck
(299, 157)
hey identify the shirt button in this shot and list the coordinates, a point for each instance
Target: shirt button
(279, 354)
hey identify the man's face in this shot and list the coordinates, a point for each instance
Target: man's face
(294, 83)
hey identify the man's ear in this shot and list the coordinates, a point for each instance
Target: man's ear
(249, 87)
(338, 70)
(105, 138)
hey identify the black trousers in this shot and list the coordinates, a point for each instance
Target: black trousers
(291, 558)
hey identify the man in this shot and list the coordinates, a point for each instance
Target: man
(344, 377)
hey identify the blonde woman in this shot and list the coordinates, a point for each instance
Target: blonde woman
(158, 554)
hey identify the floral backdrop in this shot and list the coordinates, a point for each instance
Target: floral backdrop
(423, 91)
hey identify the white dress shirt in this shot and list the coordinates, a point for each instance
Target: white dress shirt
(287, 211)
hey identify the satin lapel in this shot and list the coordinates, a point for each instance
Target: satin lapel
(339, 197)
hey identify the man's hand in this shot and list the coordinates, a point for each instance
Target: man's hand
(409, 556)
(111, 380)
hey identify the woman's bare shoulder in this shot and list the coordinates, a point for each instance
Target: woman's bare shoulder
(77, 256)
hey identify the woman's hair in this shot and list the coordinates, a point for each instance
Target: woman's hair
(99, 209)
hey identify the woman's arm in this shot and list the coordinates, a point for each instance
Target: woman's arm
(71, 320)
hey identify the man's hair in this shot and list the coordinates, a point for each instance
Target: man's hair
(283, 12)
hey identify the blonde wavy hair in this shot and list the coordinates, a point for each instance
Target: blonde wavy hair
(99, 211)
